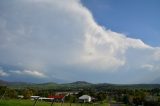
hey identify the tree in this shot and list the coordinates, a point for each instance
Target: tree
(71, 98)
(101, 96)
(11, 93)
(27, 93)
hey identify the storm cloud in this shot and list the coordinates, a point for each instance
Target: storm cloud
(59, 39)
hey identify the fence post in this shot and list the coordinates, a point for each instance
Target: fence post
(3, 95)
(34, 104)
(52, 102)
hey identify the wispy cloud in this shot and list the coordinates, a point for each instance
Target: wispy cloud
(148, 66)
(25, 72)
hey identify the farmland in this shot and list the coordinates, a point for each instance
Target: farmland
(16, 102)
(19, 94)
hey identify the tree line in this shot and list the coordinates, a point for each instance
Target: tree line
(146, 97)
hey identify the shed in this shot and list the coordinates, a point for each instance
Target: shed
(85, 98)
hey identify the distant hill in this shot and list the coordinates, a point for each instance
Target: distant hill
(81, 83)
(3, 82)
(76, 85)
(15, 84)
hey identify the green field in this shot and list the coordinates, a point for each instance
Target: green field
(42, 103)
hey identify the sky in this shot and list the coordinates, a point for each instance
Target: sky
(99, 41)
(135, 18)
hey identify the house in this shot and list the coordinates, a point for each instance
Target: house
(85, 98)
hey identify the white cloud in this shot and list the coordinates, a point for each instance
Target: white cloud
(46, 34)
(16, 71)
(25, 72)
(3, 74)
(34, 73)
(106, 49)
(156, 55)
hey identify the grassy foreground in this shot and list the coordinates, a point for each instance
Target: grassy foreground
(16, 102)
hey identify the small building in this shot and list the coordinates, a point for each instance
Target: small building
(20, 96)
(34, 97)
(46, 99)
(57, 98)
(85, 98)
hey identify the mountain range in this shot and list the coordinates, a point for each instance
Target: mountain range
(74, 85)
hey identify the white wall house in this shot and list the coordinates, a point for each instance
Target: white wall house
(85, 98)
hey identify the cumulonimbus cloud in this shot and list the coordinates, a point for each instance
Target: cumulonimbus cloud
(46, 34)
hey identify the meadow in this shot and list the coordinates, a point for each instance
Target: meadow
(18, 102)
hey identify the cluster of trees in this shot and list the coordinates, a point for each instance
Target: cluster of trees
(146, 97)
(127, 96)
(98, 96)
(7, 93)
